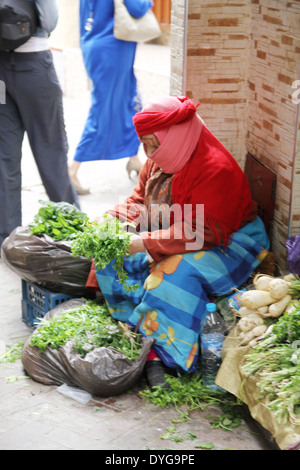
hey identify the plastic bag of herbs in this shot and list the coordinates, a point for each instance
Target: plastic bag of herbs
(41, 252)
(79, 344)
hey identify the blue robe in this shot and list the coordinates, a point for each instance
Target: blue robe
(109, 132)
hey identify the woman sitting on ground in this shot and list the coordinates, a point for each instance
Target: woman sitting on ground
(197, 234)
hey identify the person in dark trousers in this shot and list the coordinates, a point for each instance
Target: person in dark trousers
(33, 105)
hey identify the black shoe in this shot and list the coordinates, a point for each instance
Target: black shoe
(156, 374)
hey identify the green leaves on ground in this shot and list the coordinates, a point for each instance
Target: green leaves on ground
(89, 326)
(188, 391)
(12, 354)
(205, 446)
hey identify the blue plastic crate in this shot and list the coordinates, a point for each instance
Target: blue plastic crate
(37, 301)
(31, 314)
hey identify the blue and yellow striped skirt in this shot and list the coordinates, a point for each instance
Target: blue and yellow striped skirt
(170, 300)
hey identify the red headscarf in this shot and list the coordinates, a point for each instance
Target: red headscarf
(209, 174)
(178, 140)
(162, 112)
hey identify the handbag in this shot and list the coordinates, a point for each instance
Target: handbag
(129, 28)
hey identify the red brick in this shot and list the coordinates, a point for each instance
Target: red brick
(274, 43)
(222, 100)
(223, 22)
(201, 52)
(224, 80)
(285, 79)
(268, 88)
(266, 109)
(261, 55)
(287, 40)
(237, 36)
(267, 125)
(272, 19)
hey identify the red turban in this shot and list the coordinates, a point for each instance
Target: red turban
(156, 116)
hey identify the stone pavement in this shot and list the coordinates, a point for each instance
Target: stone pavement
(37, 417)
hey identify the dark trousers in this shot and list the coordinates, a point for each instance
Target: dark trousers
(33, 105)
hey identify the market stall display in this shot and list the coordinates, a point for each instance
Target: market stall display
(76, 341)
(79, 343)
(264, 370)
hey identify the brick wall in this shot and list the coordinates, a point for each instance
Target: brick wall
(217, 68)
(178, 47)
(272, 115)
(241, 59)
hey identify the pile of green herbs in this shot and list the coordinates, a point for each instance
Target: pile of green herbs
(105, 242)
(59, 220)
(13, 353)
(275, 364)
(187, 392)
(89, 326)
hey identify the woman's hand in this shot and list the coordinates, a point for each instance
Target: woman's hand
(136, 245)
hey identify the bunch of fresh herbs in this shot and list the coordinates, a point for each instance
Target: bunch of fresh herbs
(59, 220)
(287, 328)
(188, 391)
(89, 326)
(105, 242)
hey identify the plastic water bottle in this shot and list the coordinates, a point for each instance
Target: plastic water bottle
(212, 338)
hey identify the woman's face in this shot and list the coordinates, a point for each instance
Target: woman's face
(150, 142)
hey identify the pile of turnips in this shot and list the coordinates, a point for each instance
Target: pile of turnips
(270, 298)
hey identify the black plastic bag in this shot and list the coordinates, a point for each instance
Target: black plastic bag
(42, 260)
(102, 372)
(293, 249)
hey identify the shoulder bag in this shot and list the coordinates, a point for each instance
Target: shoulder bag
(18, 22)
(129, 28)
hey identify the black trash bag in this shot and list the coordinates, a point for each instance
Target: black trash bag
(293, 249)
(42, 260)
(102, 372)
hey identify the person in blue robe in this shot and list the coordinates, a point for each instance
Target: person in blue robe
(109, 133)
